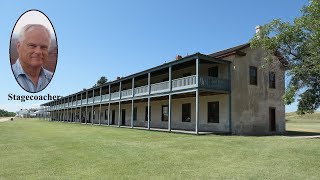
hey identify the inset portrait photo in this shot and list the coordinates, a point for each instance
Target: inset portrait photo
(33, 51)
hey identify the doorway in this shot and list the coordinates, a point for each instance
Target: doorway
(123, 117)
(272, 119)
(113, 114)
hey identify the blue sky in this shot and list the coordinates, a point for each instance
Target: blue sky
(118, 38)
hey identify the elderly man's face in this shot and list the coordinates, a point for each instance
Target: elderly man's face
(34, 49)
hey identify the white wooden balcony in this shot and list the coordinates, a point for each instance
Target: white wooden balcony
(184, 82)
(160, 87)
(97, 99)
(177, 84)
(84, 101)
(214, 83)
(115, 95)
(126, 93)
(105, 97)
(140, 91)
(90, 100)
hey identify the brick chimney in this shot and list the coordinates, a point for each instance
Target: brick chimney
(178, 57)
(258, 29)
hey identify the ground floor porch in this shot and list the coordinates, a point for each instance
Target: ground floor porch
(206, 112)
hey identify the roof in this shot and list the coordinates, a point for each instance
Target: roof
(230, 51)
(237, 51)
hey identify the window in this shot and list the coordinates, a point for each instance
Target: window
(165, 113)
(135, 113)
(186, 112)
(213, 71)
(146, 117)
(253, 75)
(272, 80)
(213, 112)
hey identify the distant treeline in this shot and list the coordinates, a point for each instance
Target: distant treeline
(4, 113)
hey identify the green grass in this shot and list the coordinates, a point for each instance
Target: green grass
(306, 123)
(34, 149)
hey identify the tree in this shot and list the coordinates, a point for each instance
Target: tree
(101, 81)
(299, 44)
(4, 113)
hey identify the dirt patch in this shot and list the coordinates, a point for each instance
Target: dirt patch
(3, 119)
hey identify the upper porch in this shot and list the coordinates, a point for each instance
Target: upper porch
(192, 72)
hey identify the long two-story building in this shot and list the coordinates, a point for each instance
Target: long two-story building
(224, 92)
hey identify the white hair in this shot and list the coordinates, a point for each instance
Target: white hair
(29, 27)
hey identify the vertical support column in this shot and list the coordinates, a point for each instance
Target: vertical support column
(85, 119)
(132, 102)
(197, 97)
(68, 110)
(64, 110)
(80, 115)
(197, 112)
(149, 92)
(109, 113)
(92, 107)
(100, 107)
(148, 113)
(169, 114)
(119, 117)
(92, 115)
(75, 115)
(230, 100)
(86, 107)
(99, 114)
(170, 89)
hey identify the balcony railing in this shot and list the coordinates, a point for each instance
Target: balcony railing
(105, 97)
(177, 84)
(214, 83)
(142, 90)
(184, 83)
(115, 95)
(160, 87)
(90, 100)
(84, 101)
(126, 93)
(97, 99)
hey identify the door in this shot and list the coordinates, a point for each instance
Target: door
(113, 116)
(123, 117)
(272, 119)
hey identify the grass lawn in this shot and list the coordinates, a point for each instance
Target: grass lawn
(37, 149)
(309, 123)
